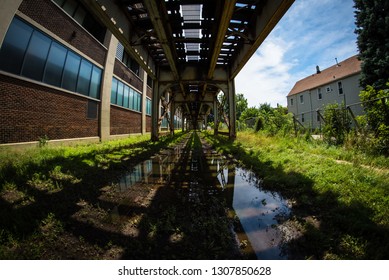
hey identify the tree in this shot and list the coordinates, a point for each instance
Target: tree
(241, 105)
(372, 21)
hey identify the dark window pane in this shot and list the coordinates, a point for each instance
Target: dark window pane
(114, 90)
(14, 46)
(126, 96)
(135, 67)
(70, 7)
(92, 110)
(119, 100)
(94, 90)
(84, 77)
(54, 65)
(36, 55)
(70, 74)
(94, 27)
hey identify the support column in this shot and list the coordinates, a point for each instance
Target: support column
(215, 117)
(172, 113)
(144, 99)
(155, 112)
(232, 108)
(106, 85)
(8, 10)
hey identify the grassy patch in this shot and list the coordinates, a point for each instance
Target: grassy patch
(346, 192)
(44, 191)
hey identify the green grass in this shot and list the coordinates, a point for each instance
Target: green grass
(347, 192)
(41, 188)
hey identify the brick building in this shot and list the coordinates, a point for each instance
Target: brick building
(64, 76)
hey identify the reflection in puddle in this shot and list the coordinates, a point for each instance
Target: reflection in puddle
(258, 211)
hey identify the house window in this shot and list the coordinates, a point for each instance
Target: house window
(340, 88)
(301, 99)
(318, 116)
(302, 118)
(319, 95)
(328, 89)
(291, 102)
(30, 53)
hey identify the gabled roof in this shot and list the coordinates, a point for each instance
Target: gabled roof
(343, 69)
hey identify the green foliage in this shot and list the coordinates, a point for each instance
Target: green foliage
(241, 105)
(376, 107)
(337, 124)
(276, 120)
(372, 21)
(259, 124)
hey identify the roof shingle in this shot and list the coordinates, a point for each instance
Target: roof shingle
(348, 67)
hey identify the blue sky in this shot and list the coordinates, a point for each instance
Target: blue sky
(311, 33)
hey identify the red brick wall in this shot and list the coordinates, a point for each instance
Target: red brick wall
(57, 21)
(30, 111)
(149, 92)
(126, 75)
(124, 121)
(148, 124)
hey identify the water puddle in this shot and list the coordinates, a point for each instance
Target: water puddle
(259, 212)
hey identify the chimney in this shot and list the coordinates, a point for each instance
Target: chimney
(318, 69)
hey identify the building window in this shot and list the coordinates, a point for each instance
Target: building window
(148, 107)
(340, 88)
(318, 116)
(291, 102)
(127, 60)
(30, 53)
(92, 110)
(79, 13)
(319, 95)
(125, 96)
(301, 99)
(149, 81)
(328, 89)
(302, 118)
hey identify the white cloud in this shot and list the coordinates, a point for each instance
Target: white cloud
(265, 77)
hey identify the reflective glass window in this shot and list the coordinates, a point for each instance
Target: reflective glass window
(70, 73)
(132, 101)
(84, 77)
(54, 65)
(119, 100)
(114, 90)
(126, 96)
(36, 55)
(94, 90)
(14, 46)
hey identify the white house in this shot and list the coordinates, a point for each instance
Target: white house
(336, 84)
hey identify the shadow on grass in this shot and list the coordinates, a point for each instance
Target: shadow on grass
(73, 210)
(329, 229)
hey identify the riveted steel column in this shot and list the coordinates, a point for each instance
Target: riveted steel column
(232, 108)
(215, 116)
(155, 111)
